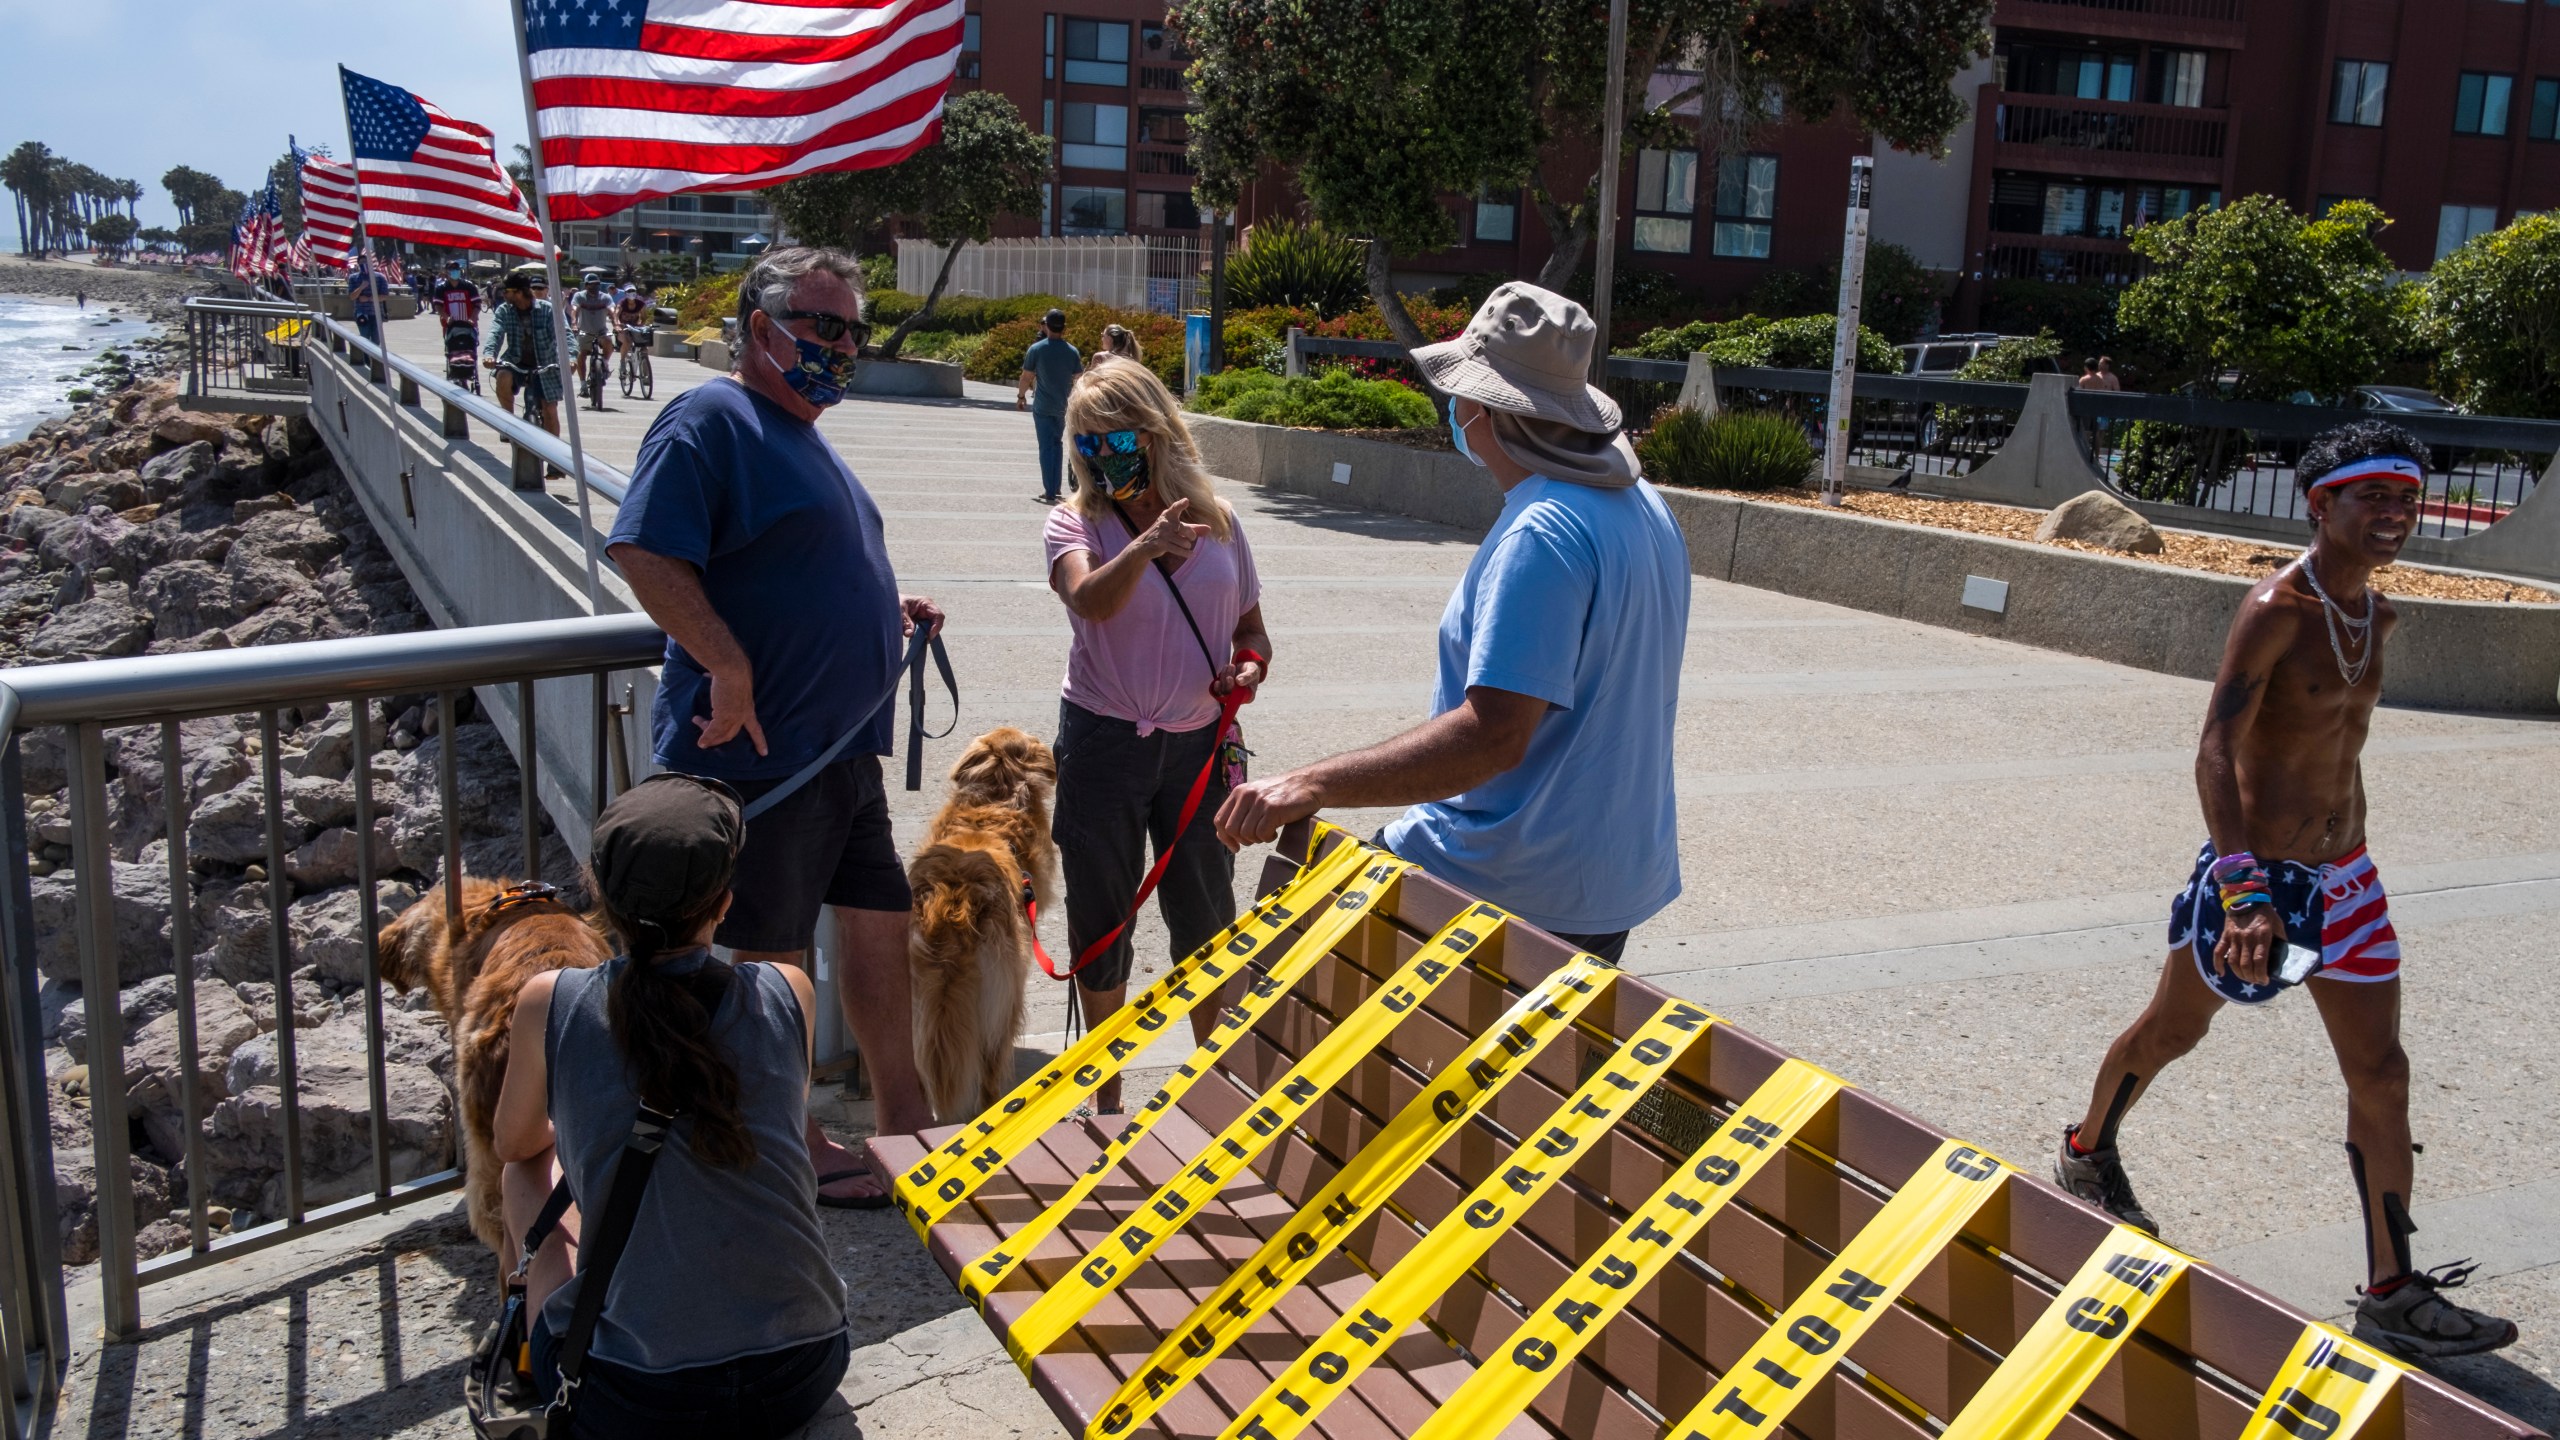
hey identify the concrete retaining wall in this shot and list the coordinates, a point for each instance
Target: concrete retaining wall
(477, 551)
(2447, 654)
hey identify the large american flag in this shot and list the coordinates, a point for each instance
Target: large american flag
(641, 98)
(427, 176)
(328, 206)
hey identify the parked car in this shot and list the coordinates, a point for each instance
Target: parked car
(1947, 354)
(2403, 400)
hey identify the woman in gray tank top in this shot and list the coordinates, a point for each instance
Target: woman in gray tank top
(725, 1315)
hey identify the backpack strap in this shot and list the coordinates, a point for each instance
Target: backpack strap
(604, 1252)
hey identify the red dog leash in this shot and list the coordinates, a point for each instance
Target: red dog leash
(1235, 699)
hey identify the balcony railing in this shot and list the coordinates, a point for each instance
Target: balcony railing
(1164, 162)
(2110, 128)
(1165, 78)
(2223, 11)
(2065, 259)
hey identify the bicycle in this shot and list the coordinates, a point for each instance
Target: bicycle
(635, 361)
(528, 388)
(593, 369)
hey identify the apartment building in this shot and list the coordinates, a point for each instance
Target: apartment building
(713, 229)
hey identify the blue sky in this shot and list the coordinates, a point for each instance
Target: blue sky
(133, 87)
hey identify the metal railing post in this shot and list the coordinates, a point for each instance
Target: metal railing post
(99, 974)
(280, 950)
(448, 795)
(530, 794)
(369, 917)
(35, 1324)
(174, 804)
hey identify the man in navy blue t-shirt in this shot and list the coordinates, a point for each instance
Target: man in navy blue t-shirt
(754, 547)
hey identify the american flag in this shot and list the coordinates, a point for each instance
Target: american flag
(301, 256)
(391, 268)
(271, 215)
(257, 242)
(641, 98)
(328, 206)
(427, 176)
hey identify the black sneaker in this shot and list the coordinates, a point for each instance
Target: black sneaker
(2413, 1320)
(2097, 1176)
(1046, 498)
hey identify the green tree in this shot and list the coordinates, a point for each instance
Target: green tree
(190, 190)
(2280, 302)
(112, 232)
(1379, 108)
(985, 164)
(2492, 310)
(28, 173)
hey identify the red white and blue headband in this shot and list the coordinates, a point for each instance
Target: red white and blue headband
(2373, 467)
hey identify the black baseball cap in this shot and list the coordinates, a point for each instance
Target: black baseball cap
(1055, 319)
(667, 847)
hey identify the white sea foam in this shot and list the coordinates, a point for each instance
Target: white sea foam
(36, 372)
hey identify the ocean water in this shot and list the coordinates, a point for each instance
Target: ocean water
(35, 370)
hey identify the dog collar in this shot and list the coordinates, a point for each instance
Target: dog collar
(530, 892)
(2378, 467)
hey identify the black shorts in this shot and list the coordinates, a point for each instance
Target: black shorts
(828, 843)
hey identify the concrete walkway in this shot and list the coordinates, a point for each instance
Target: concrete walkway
(1935, 863)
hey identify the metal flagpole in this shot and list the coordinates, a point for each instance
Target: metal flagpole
(1604, 230)
(1844, 343)
(359, 264)
(560, 299)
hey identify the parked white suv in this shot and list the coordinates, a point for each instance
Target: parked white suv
(1947, 354)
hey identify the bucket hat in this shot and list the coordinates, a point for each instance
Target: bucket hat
(1526, 352)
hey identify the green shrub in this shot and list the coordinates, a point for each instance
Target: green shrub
(706, 301)
(879, 271)
(958, 314)
(1304, 266)
(1799, 343)
(2177, 464)
(998, 356)
(1332, 400)
(945, 345)
(1257, 339)
(1737, 450)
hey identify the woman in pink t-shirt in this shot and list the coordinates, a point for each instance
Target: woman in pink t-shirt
(1142, 537)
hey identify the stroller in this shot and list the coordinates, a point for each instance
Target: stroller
(462, 355)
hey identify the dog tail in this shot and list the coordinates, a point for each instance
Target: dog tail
(964, 904)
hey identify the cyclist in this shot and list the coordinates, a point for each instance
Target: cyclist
(630, 312)
(522, 344)
(592, 309)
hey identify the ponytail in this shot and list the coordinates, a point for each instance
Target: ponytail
(662, 1022)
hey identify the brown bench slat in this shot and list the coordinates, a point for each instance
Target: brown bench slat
(2231, 1326)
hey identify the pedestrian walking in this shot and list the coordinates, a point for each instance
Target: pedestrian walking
(1118, 341)
(750, 542)
(1543, 780)
(1049, 371)
(725, 1314)
(1150, 563)
(366, 290)
(2284, 894)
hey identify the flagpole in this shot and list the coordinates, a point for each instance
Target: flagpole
(560, 299)
(358, 263)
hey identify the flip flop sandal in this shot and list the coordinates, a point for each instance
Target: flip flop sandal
(850, 1202)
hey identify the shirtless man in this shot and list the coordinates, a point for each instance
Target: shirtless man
(2284, 892)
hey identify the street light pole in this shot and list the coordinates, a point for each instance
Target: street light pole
(1844, 342)
(1604, 229)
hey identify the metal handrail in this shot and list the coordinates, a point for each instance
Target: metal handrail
(603, 479)
(221, 682)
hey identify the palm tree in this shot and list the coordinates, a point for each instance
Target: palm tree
(25, 171)
(130, 192)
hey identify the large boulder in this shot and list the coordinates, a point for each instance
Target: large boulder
(329, 858)
(153, 1072)
(486, 787)
(245, 1135)
(294, 538)
(141, 917)
(180, 472)
(2094, 517)
(188, 597)
(138, 1004)
(75, 1180)
(105, 625)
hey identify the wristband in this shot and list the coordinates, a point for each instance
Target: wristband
(2237, 863)
(2234, 901)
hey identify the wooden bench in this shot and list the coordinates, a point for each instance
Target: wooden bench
(2193, 1369)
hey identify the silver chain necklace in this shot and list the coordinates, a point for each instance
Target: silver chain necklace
(2358, 632)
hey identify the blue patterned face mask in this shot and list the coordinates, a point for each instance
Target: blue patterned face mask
(820, 375)
(1458, 433)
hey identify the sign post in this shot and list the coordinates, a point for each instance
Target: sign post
(1844, 343)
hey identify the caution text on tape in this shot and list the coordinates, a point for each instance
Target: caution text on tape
(2328, 1388)
(2072, 1341)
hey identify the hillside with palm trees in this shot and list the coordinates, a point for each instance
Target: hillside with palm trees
(60, 201)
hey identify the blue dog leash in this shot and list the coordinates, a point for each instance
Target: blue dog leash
(920, 642)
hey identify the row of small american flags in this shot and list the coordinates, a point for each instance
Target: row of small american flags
(633, 100)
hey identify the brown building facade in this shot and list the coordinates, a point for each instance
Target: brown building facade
(2090, 118)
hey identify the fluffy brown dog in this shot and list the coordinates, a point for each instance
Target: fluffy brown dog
(969, 950)
(473, 975)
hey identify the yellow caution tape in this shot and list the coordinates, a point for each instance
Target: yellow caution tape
(2059, 1356)
(1469, 1080)
(953, 1171)
(1750, 1400)
(1404, 1294)
(1589, 1300)
(1316, 1073)
(2327, 1389)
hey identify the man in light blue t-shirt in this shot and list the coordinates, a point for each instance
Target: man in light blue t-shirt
(1542, 782)
(1049, 371)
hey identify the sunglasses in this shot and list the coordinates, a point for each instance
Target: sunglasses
(1113, 442)
(831, 328)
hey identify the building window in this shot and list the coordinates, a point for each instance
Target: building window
(2030, 68)
(2480, 103)
(2066, 210)
(1168, 210)
(1089, 210)
(1097, 52)
(1048, 208)
(2459, 223)
(1048, 47)
(2546, 110)
(967, 69)
(1746, 205)
(1497, 220)
(1666, 196)
(1096, 136)
(2177, 78)
(2355, 93)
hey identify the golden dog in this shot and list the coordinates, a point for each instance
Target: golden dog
(508, 936)
(969, 949)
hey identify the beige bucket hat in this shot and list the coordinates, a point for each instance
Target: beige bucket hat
(1527, 352)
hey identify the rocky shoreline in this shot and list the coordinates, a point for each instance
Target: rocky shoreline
(132, 527)
(153, 292)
